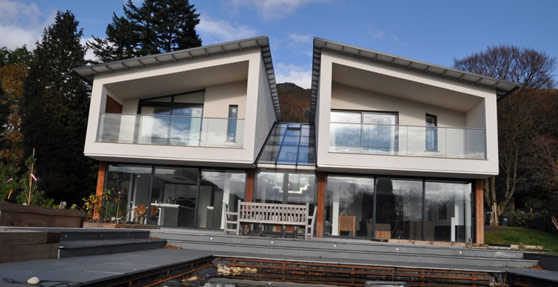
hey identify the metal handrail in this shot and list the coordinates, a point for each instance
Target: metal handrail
(413, 126)
(172, 116)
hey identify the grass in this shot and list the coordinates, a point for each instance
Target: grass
(521, 235)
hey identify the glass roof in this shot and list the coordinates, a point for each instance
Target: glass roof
(290, 144)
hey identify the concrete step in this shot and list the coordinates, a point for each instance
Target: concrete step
(102, 234)
(347, 250)
(107, 246)
(348, 245)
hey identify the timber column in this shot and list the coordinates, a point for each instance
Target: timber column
(479, 211)
(320, 204)
(250, 183)
(99, 191)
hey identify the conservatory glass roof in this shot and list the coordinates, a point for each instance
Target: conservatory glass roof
(289, 144)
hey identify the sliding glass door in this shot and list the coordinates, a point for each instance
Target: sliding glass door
(173, 196)
(398, 208)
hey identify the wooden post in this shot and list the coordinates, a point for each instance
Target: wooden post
(479, 209)
(250, 183)
(320, 213)
(99, 192)
(30, 191)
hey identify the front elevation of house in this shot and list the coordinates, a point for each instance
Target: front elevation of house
(394, 148)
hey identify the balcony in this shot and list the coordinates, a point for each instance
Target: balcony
(399, 140)
(170, 130)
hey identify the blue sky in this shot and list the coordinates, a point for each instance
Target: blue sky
(431, 31)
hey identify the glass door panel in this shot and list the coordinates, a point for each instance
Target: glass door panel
(349, 206)
(399, 207)
(129, 188)
(174, 196)
(448, 211)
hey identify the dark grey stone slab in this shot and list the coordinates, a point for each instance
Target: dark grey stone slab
(92, 268)
(548, 275)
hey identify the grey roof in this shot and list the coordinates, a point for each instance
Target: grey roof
(261, 42)
(502, 87)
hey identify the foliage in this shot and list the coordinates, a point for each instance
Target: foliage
(534, 220)
(517, 116)
(112, 205)
(295, 103)
(54, 112)
(527, 67)
(521, 235)
(13, 70)
(157, 26)
(9, 178)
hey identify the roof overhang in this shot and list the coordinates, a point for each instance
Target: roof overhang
(502, 88)
(262, 42)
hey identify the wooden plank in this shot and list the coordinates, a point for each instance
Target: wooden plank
(29, 252)
(18, 208)
(479, 210)
(99, 191)
(320, 204)
(250, 179)
(113, 106)
(12, 237)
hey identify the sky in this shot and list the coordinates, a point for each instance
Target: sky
(435, 31)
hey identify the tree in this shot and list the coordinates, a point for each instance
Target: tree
(532, 70)
(54, 112)
(13, 70)
(157, 26)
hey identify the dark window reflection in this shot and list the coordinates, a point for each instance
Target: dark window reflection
(448, 211)
(399, 207)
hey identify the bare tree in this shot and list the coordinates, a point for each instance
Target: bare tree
(530, 69)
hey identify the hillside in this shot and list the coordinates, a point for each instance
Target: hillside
(294, 102)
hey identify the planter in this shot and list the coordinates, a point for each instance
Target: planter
(21, 215)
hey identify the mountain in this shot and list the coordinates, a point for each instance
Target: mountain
(294, 102)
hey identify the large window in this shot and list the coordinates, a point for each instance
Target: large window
(174, 196)
(368, 132)
(448, 211)
(129, 193)
(286, 187)
(217, 189)
(349, 206)
(399, 207)
(174, 120)
(385, 207)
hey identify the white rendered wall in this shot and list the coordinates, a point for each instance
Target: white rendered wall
(265, 111)
(162, 154)
(404, 165)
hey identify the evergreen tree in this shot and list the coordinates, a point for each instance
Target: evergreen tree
(54, 112)
(157, 26)
(5, 111)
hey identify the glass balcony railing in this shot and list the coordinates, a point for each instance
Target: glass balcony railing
(170, 130)
(397, 140)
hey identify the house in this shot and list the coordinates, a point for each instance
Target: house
(395, 148)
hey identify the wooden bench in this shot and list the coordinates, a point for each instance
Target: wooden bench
(271, 214)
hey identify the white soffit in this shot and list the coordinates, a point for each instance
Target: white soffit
(501, 87)
(261, 42)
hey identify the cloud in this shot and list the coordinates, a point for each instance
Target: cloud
(300, 75)
(296, 39)
(22, 23)
(222, 30)
(378, 34)
(89, 55)
(273, 9)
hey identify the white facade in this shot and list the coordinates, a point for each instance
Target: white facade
(236, 78)
(466, 115)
